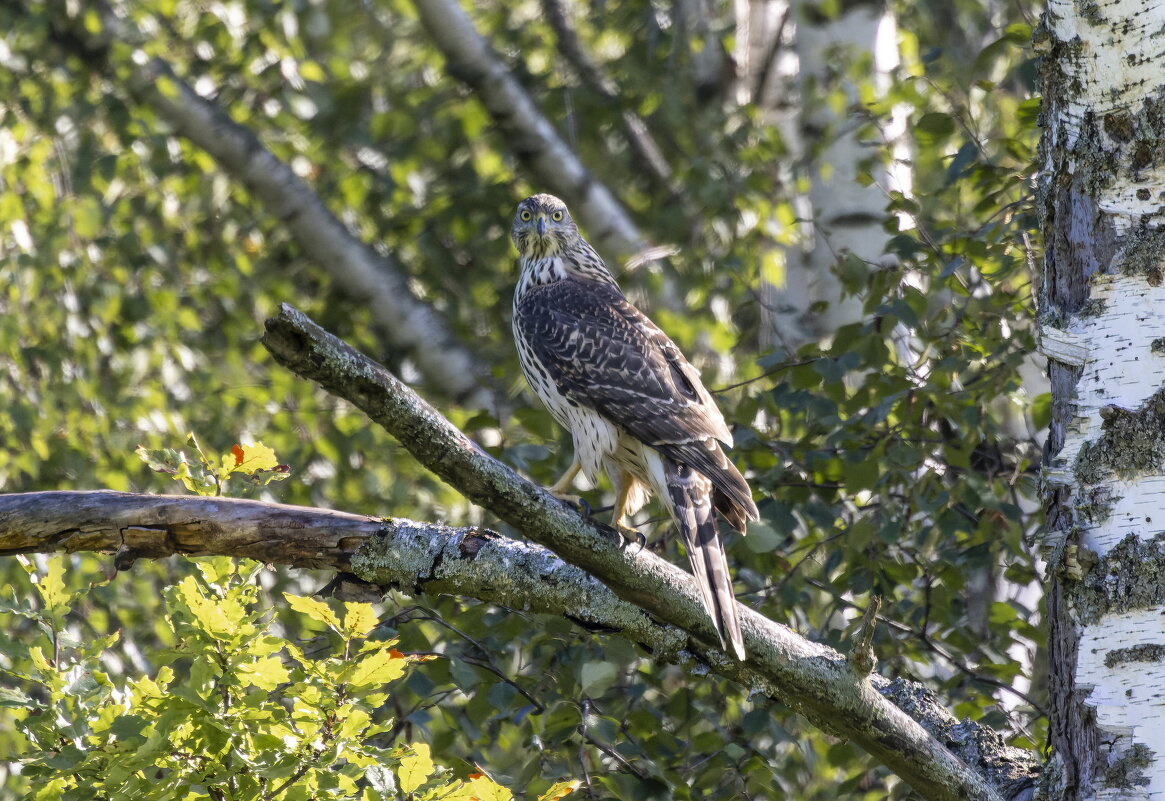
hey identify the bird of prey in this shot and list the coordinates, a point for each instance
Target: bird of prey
(634, 406)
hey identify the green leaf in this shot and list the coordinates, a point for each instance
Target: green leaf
(481, 788)
(218, 618)
(376, 668)
(934, 127)
(52, 587)
(761, 537)
(315, 610)
(1041, 410)
(217, 571)
(415, 767)
(15, 699)
(560, 790)
(266, 674)
(359, 619)
(161, 460)
(36, 653)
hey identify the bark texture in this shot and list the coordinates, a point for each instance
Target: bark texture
(1102, 184)
(390, 553)
(811, 679)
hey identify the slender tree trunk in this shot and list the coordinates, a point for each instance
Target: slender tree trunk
(845, 215)
(1102, 315)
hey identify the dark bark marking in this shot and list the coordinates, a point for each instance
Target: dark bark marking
(1146, 652)
(1131, 442)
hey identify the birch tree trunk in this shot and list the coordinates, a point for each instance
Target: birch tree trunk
(846, 216)
(1102, 315)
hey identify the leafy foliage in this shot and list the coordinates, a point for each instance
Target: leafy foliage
(205, 476)
(238, 712)
(895, 457)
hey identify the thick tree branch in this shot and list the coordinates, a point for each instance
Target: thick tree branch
(403, 321)
(526, 132)
(417, 558)
(402, 554)
(809, 678)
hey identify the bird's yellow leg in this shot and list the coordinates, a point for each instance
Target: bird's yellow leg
(619, 513)
(560, 488)
(618, 516)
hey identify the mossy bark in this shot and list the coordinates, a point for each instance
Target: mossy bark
(1100, 197)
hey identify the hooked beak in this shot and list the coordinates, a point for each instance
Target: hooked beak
(541, 225)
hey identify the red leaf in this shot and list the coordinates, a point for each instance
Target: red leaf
(237, 452)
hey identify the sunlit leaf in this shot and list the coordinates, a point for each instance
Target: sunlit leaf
(315, 609)
(415, 767)
(359, 619)
(560, 790)
(266, 674)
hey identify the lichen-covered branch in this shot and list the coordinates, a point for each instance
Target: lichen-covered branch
(415, 558)
(526, 132)
(810, 678)
(403, 554)
(1011, 770)
(406, 323)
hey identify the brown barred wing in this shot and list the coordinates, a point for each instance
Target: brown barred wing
(604, 353)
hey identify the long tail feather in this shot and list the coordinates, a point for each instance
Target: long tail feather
(690, 494)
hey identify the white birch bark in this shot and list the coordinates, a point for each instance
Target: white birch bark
(1103, 314)
(846, 217)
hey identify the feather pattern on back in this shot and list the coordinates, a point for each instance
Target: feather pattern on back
(634, 405)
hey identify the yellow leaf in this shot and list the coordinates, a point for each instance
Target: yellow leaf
(266, 674)
(229, 463)
(316, 610)
(311, 71)
(52, 585)
(36, 653)
(379, 667)
(560, 790)
(483, 788)
(249, 458)
(355, 721)
(359, 619)
(415, 768)
(773, 267)
(183, 474)
(220, 619)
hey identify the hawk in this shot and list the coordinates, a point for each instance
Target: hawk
(634, 406)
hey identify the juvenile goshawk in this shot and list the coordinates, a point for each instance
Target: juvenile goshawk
(634, 406)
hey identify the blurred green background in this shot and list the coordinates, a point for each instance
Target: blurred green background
(891, 448)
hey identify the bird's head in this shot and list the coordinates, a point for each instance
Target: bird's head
(542, 227)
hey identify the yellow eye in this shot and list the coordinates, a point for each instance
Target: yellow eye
(556, 216)
(526, 215)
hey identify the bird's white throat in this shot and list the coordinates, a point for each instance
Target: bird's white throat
(538, 272)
